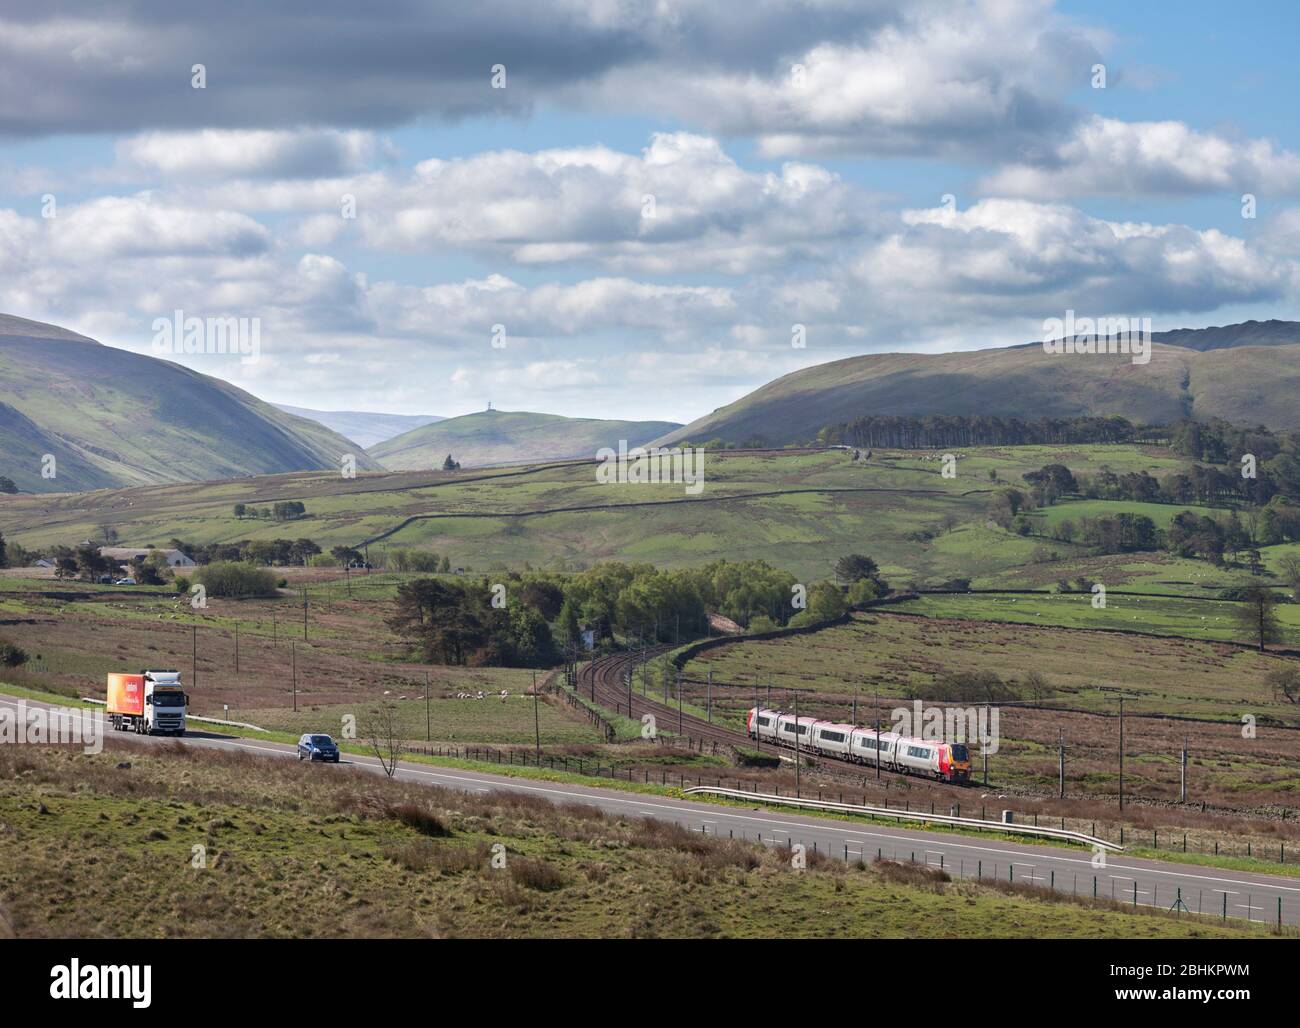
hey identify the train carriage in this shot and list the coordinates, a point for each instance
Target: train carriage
(792, 731)
(831, 738)
(866, 743)
(905, 754)
(761, 724)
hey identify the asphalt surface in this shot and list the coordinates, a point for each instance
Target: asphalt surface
(1146, 882)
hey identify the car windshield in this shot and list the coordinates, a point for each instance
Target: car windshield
(169, 699)
(959, 753)
(321, 740)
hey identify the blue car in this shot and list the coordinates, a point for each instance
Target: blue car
(318, 747)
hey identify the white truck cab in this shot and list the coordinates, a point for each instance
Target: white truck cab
(164, 703)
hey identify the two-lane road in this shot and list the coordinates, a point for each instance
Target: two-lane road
(1151, 882)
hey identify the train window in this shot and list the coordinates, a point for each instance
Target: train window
(833, 736)
(764, 721)
(917, 751)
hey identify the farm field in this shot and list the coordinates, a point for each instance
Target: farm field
(345, 854)
(451, 720)
(797, 510)
(1193, 617)
(1165, 683)
(74, 634)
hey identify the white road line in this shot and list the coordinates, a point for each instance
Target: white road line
(517, 784)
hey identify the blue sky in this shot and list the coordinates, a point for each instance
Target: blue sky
(797, 163)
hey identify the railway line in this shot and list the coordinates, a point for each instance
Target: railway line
(603, 681)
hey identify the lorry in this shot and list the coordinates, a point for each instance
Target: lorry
(150, 703)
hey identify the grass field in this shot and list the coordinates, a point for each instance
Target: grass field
(195, 843)
(489, 720)
(798, 510)
(1193, 617)
(899, 658)
(76, 633)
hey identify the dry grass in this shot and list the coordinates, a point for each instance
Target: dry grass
(102, 846)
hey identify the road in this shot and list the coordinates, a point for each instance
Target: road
(1150, 882)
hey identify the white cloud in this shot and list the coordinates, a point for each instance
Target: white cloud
(1106, 157)
(229, 153)
(958, 79)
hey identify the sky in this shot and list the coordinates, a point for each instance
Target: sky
(636, 210)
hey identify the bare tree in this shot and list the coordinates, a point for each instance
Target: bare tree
(385, 738)
(1256, 616)
(1286, 681)
(1289, 568)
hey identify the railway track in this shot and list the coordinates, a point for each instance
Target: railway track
(602, 680)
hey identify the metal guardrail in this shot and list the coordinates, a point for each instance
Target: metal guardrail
(946, 819)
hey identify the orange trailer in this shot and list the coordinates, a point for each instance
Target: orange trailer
(126, 694)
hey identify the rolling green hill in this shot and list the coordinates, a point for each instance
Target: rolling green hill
(507, 437)
(364, 427)
(114, 418)
(1253, 384)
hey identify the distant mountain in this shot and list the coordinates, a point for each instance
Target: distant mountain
(114, 418)
(363, 427)
(1230, 373)
(505, 437)
(1248, 333)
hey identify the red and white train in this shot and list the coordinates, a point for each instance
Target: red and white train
(949, 762)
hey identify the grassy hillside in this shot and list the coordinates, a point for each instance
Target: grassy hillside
(1247, 333)
(799, 511)
(1251, 384)
(506, 437)
(110, 417)
(288, 851)
(364, 427)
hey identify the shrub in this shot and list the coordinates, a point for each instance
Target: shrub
(11, 655)
(423, 820)
(536, 874)
(236, 580)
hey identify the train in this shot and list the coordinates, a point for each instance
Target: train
(944, 761)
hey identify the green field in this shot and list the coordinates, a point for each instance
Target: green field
(489, 720)
(283, 853)
(1191, 617)
(798, 511)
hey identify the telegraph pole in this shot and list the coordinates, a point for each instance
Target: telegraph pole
(876, 710)
(1182, 776)
(796, 744)
(236, 647)
(537, 719)
(855, 705)
(194, 677)
(758, 735)
(428, 720)
(679, 702)
(1121, 753)
(293, 663)
(708, 692)
(304, 613)
(984, 747)
(1062, 763)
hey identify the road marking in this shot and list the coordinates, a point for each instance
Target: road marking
(285, 749)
